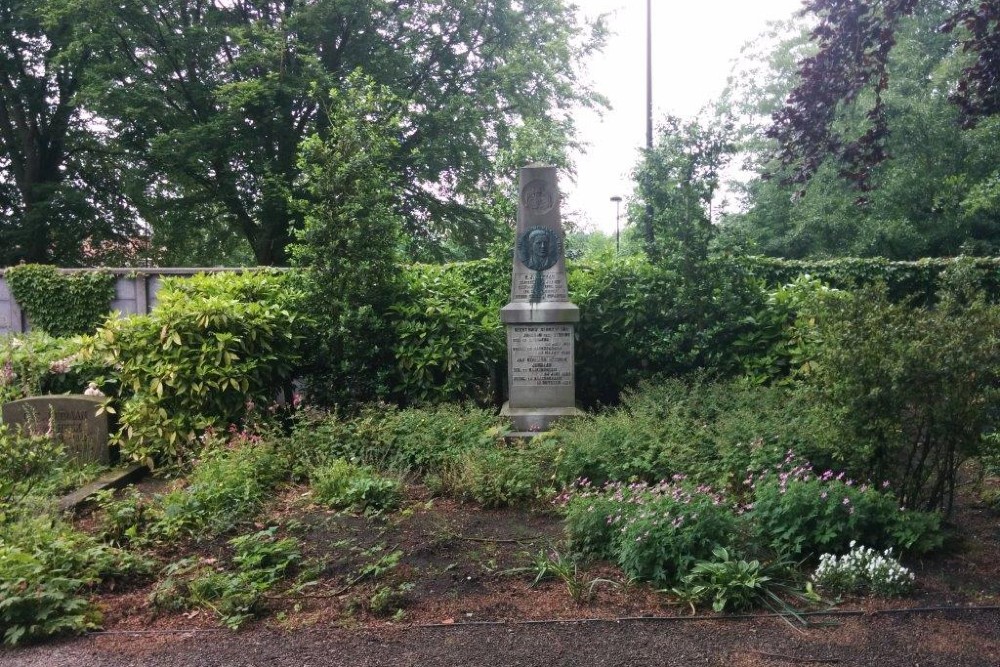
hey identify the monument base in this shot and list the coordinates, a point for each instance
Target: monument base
(536, 420)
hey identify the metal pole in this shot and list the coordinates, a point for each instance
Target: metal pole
(618, 201)
(648, 213)
(649, 74)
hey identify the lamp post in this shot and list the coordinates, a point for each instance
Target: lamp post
(618, 202)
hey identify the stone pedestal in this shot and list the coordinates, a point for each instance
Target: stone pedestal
(540, 319)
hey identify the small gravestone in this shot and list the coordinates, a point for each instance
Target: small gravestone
(539, 318)
(72, 419)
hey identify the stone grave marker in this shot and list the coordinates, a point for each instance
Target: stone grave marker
(540, 320)
(73, 419)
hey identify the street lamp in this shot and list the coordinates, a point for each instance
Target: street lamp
(618, 202)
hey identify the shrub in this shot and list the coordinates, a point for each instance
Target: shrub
(913, 388)
(449, 340)
(785, 338)
(46, 568)
(503, 476)
(212, 344)
(35, 364)
(639, 320)
(656, 533)
(796, 512)
(342, 485)
(61, 304)
(420, 440)
(349, 243)
(710, 431)
(227, 487)
(24, 461)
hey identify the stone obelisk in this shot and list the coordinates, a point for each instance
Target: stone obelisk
(539, 318)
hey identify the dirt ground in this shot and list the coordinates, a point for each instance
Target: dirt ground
(461, 592)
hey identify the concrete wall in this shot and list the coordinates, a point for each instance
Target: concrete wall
(135, 292)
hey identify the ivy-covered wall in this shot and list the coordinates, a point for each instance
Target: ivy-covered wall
(131, 291)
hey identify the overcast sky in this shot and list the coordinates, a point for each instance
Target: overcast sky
(694, 45)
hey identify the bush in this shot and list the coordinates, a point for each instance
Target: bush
(639, 320)
(503, 476)
(46, 568)
(61, 304)
(711, 431)
(342, 485)
(25, 461)
(912, 388)
(656, 532)
(796, 513)
(212, 344)
(420, 440)
(226, 488)
(449, 340)
(35, 364)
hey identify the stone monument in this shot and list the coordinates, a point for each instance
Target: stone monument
(539, 318)
(73, 420)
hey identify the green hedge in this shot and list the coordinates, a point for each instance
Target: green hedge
(920, 279)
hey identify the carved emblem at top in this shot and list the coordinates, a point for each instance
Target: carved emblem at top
(538, 197)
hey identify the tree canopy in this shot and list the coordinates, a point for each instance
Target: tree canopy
(895, 167)
(203, 105)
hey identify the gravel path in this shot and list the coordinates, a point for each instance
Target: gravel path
(953, 639)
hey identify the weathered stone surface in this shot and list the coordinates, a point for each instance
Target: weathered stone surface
(73, 420)
(539, 318)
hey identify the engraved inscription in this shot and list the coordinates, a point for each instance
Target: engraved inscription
(538, 197)
(541, 355)
(553, 286)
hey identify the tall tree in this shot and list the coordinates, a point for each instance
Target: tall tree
(59, 195)
(934, 190)
(676, 180)
(215, 97)
(855, 39)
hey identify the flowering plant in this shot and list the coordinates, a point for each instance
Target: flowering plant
(655, 532)
(863, 569)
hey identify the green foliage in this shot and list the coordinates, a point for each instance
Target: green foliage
(211, 344)
(260, 561)
(449, 340)
(421, 440)
(710, 431)
(912, 388)
(797, 512)
(863, 570)
(785, 338)
(656, 533)
(503, 476)
(734, 585)
(349, 242)
(920, 280)
(639, 320)
(61, 304)
(675, 183)
(46, 569)
(226, 488)
(343, 485)
(931, 189)
(25, 460)
(219, 136)
(35, 364)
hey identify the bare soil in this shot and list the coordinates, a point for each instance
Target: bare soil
(463, 593)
